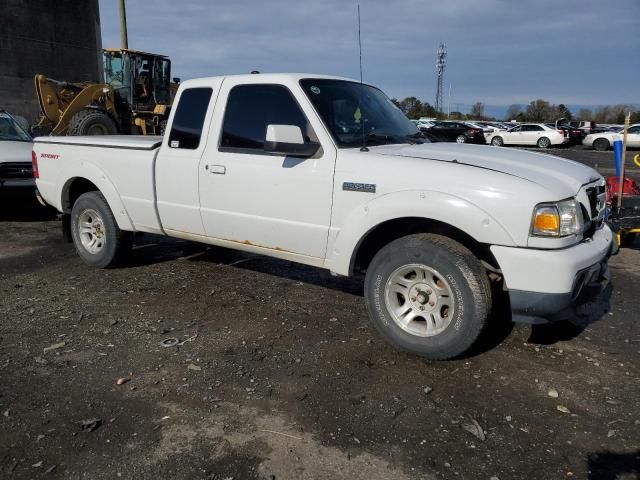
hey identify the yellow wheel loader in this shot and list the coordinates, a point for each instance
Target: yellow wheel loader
(135, 98)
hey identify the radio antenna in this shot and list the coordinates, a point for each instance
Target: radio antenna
(364, 139)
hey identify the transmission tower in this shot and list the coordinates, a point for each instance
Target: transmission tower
(441, 55)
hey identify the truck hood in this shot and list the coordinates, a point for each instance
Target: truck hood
(15, 151)
(563, 177)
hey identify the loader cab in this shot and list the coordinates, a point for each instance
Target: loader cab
(141, 80)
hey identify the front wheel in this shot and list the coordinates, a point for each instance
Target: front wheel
(460, 139)
(601, 144)
(428, 295)
(497, 141)
(544, 142)
(95, 233)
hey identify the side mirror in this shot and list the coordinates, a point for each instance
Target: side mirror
(288, 140)
(176, 79)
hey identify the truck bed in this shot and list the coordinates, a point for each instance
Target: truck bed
(122, 167)
(133, 142)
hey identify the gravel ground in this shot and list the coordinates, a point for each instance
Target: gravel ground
(271, 370)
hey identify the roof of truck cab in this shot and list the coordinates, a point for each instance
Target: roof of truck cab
(263, 78)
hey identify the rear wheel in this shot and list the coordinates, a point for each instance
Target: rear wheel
(428, 295)
(95, 233)
(497, 141)
(601, 144)
(544, 142)
(460, 139)
(92, 122)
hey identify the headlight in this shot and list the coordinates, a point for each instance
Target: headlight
(559, 219)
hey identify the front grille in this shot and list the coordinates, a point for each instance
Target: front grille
(592, 200)
(16, 170)
(593, 193)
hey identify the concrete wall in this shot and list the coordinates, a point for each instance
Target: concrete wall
(59, 38)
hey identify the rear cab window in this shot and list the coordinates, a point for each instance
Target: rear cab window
(186, 129)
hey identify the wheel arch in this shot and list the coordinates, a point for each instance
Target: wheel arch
(91, 179)
(411, 211)
(390, 230)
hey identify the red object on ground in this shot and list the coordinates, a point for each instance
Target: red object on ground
(629, 187)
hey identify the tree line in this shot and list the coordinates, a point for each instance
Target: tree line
(536, 111)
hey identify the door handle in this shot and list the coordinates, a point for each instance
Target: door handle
(219, 169)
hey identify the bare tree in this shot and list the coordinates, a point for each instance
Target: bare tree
(584, 114)
(513, 111)
(539, 111)
(477, 111)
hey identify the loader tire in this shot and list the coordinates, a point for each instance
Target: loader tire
(92, 122)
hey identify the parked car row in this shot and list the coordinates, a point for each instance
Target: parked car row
(543, 135)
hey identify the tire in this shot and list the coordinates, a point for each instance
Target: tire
(544, 142)
(497, 141)
(92, 122)
(95, 233)
(441, 330)
(601, 144)
(461, 139)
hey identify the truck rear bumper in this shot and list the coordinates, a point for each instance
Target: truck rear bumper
(545, 285)
(17, 184)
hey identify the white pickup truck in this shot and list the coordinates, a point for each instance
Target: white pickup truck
(327, 172)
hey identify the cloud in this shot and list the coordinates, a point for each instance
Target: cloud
(499, 51)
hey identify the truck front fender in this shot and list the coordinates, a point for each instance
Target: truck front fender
(424, 204)
(92, 173)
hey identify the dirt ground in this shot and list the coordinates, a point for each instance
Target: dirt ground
(236, 366)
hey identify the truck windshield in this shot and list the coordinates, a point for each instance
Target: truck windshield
(352, 112)
(11, 131)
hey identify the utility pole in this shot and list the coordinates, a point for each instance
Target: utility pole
(449, 103)
(124, 41)
(441, 56)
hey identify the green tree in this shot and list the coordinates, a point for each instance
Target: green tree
(564, 112)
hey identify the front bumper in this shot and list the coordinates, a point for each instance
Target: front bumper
(545, 285)
(536, 307)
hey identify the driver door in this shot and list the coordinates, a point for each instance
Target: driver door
(251, 197)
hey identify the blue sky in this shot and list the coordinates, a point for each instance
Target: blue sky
(577, 52)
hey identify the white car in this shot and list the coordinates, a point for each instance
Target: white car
(15, 155)
(311, 169)
(529, 134)
(604, 140)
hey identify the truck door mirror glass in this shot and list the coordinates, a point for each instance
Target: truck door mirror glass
(288, 140)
